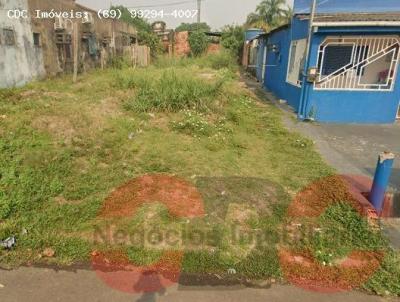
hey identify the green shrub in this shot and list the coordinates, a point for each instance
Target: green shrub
(151, 40)
(233, 39)
(198, 42)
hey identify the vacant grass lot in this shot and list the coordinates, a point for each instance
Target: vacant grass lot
(65, 147)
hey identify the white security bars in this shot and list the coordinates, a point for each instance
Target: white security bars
(358, 63)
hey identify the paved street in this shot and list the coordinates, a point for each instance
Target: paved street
(41, 284)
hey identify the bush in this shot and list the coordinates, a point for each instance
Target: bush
(233, 40)
(152, 41)
(170, 92)
(198, 43)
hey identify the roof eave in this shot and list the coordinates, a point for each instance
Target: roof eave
(357, 23)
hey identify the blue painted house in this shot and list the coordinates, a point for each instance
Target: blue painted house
(345, 70)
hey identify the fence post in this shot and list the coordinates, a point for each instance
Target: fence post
(76, 50)
(381, 180)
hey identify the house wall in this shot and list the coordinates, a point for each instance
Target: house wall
(114, 31)
(262, 44)
(46, 29)
(21, 62)
(330, 106)
(277, 62)
(97, 42)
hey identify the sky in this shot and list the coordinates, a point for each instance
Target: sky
(216, 13)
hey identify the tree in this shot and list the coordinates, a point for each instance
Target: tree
(270, 14)
(151, 40)
(287, 15)
(255, 20)
(193, 27)
(232, 39)
(198, 42)
(146, 36)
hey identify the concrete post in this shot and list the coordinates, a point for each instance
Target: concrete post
(381, 180)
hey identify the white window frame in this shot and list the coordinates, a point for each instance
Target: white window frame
(297, 61)
(378, 47)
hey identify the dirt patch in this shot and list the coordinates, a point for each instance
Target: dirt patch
(58, 126)
(317, 197)
(28, 93)
(108, 107)
(180, 197)
(114, 267)
(160, 121)
(58, 96)
(300, 267)
(303, 270)
(99, 113)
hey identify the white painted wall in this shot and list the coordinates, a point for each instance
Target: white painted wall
(23, 61)
(371, 71)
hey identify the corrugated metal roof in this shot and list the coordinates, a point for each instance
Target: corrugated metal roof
(354, 17)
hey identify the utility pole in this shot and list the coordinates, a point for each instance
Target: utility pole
(311, 27)
(198, 11)
(302, 106)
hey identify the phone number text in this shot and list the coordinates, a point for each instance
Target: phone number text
(155, 14)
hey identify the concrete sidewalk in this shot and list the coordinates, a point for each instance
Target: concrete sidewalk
(349, 148)
(42, 284)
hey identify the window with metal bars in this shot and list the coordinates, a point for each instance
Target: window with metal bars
(358, 63)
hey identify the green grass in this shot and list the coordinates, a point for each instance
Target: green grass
(65, 147)
(386, 281)
(343, 231)
(170, 90)
(218, 61)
